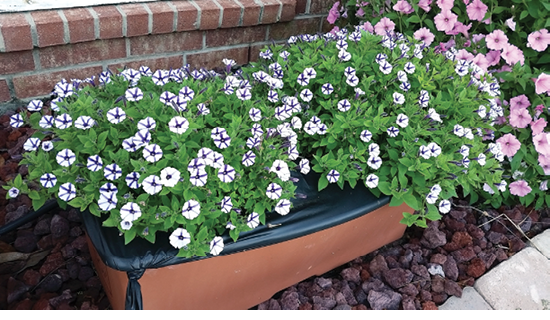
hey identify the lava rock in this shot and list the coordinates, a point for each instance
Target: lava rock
(25, 304)
(373, 284)
(51, 283)
(384, 300)
(351, 274)
(464, 254)
(59, 226)
(16, 289)
(429, 305)
(46, 242)
(360, 295)
(65, 298)
(474, 231)
(433, 237)
(290, 301)
(453, 289)
(53, 261)
(408, 303)
(439, 298)
(324, 283)
(320, 303)
(377, 266)
(85, 273)
(398, 278)
(496, 237)
(80, 244)
(476, 268)
(14, 215)
(342, 307)
(31, 277)
(421, 271)
(450, 268)
(75, 232)
(25, 242)
(438, 284)
(438, 258)
(42, 227)
(462, 239)
(348, 295)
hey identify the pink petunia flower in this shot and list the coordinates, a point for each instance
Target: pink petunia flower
(519, 102)
(464, 55)
(538, 40)
(476, 10)
(478, 37)
(384, 26)
(509, 144)
(333, 13)
(360, 12)
(368, 27)
(425, 5)
(424, 34)
(538, 110)
(496, 40)
(542, 83)
(542, 145)
(520, 118)
(445, 5)
(403, 6)
(538, 126)
(512, 54)
(493, 57)
(481, 61)
(544, 162)
(459, 27)
(445, 21)
(519, 188)
(466, 2)
(511, 23)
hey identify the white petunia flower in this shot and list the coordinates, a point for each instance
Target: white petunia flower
(327, 89)
(108, 187)
(178, 125)
(344, 105)
(67, 191)
(226, 173)
(302, 79)
(47, 146)
(16, 121)
(343, 55)
(146, 124)
(352, 80)
(141, 138)
(458, 130)
(169, 177)
(152, 153)
(191, 209)
(502, 186)
(257, 130)
(374, 150)
(248, 158)
(152, 184)
(94, 163)
(372, 181)
(13, 192)
(283, 207)
(217, 160)
(444, 206)
(244, 94)
(112, 172)
(46, 122)
(126, 224)
(116, 115)
(281, 169)
(311, 128)
(385, 67)
(274, 191)
(84, 122)
(167, 98)
(464, 150)
(333, 176)
(32, 144)
(365, 136)
(481, 159)
(130, 211)
(255, 114)
(107, 201)
(398, 98)
(306, 95)
(186, 93)
(48, 180)
(393, 131)
(180, 238)
(431, 198)
(425, 152)
(65, 157)
(434, 115)
(63, 121)
(374, 162)
(435, 150)
(129, 145)
(216, 246)
(35, 105)
(222, 141)
(436, 190)
(304, 166)
(132, 180)
(160, 77)
(253, 220)
(226, 204)
(468, 134)
(402, 76)
(133, 94)
(198, 178)
(273, 96)
(409, 67)
(402, 120)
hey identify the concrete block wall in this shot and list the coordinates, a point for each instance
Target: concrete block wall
(39, 48)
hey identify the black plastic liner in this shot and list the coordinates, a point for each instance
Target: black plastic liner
(317, 211)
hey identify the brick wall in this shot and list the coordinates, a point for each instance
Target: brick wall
(37, 49)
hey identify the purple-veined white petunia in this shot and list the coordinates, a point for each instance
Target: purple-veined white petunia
(281, 113)
(274, 191)
(169, 176)
(343, 55)
(398, 98)
(302, 79)
(374, 149)
(293, 153)
(216, 246)
(349, 71)
(130, 211)
(310, 73)
(468, 134)
(434, 115)
(385, 67)
(145, 71)
(217, 160)
(178, 125)
(152, 153)
(94, 163)
(243, 94)
(13, 192)
(466, 162)
(255, 114)
(129, 144)
(63, 121)
(196, 164)
(374, 162)
(327, 88)
(67, 191)
(152, 184)
(187, 93)
(424, 98)
(116, 115)
(216, 132)
(405, 86)
(108, 187)
(191, 209)
(112, 172)
(54, 102)
(352, 80)
(207, 155)
(198, 178)
(273, 96)
(84, 122)
(402, 76)
(464, 151)
(132, 180)
(248, 158)
(402, 120)
(253, 220)
(458, 130)
(436, 189)
(228, 89)
(296, 123)
(435, 149)
(48, 180)
(311, 128)
(64, 89)
(257, 130)
(344, 105)
(409, 67)
(65, 157)
(160, 77)
(167, 97)
(365, 136)
(131, 75)
(424, 152)
(226, 204)
(133, 94)
(380, 58)
(372, 181)
(392, 131)
(47, 146)
(481, 158)
(35, 105)
(222, 141)
(32, 144)
(431, 198)
(126, 224)
(226, 173)
(281, 169)
(306, 95)
(178, 103)
(107, 201)
(253, 142)
(283, 207)
(304, 166)
(146, 124)
(45, 122)
(16, 121)
(266, 54)
(333, 176)
(180, 238)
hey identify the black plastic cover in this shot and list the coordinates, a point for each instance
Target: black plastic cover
(317, 211)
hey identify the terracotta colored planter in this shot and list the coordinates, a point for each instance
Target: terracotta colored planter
(244, 279)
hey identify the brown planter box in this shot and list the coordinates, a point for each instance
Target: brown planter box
(245, 279)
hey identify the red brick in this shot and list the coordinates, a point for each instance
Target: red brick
(171, 42)
(321, 6)
(16, 32)
(212, 59)
(210, 14)
(231, 36)
(301, 6)
(49, 27)
(137, 19)
(284, 30)
(72, 54)
(187, 16)
(41, 84)
(254, 52)
(14, 62)
(154, 63)
(163, 17)
(289, 10)
(110, 22)
(231, 13)
(81, 24)
(4, 91)
(251, 15)
(271, 11)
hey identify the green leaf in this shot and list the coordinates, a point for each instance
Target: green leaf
(38, 203)
(523, 14)
(411, 201)
(129, 235)
(384, 186)
(77, 202)
(396, 201)
(433, 213)
(409, 219)
(323, 183)
(34, 195)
